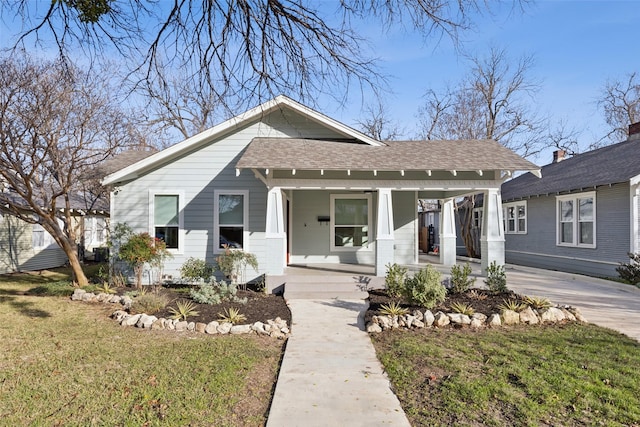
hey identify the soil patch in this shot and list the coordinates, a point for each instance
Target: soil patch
(260, 307)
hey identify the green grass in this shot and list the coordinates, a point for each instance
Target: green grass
(572, 375)
(67, 363)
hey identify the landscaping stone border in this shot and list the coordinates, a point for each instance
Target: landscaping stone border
(418, 319)
(275, 328)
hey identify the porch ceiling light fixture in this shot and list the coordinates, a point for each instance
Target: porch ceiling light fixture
(349, 172)
(454, 172)
(429, 172)
(321, 171)
(375, 172)
(266, 171)
(402, 172)
(479, 171)
(293, 171)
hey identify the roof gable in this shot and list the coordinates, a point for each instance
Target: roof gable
(229, 126)
(608, 165)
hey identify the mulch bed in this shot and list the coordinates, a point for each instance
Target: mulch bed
(487, 306)
(260, 307)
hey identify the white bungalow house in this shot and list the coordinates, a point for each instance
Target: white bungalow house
(293, 187)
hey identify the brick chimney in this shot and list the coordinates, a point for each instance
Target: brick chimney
(634, 131)
(558, 156)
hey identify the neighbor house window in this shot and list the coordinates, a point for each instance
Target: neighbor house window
(41, 239)
(231, 219)
(477, 217)
(515, 217)
(350, 221)
(166, 218)
(576, 223)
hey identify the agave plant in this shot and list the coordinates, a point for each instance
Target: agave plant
(537, 303)
(232, 315)
(462, 308)
(512, 305)
(183, 310)
(393, 309)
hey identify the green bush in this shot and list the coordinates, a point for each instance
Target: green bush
(394, 279)
(215, 293)
(195, 269)
(460, 280)
(425, 288)
(496, 278)
(630, 272)
(234, 262)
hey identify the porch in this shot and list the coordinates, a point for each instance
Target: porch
(344, 281)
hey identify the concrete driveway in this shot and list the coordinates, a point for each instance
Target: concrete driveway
(606, 303)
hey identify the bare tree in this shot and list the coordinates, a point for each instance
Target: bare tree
(241, 49)
(620, 104)
(377, 124)
(563, 138)
(56, 124)
(491, 102)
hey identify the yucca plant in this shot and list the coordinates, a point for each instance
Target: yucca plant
(232, 315)
(183, 310)
(462, 308)
(393, 309)
(106, 288)
(512, 305)
(538, 303)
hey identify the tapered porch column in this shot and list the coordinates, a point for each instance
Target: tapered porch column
(275, 234)
(384, 231)
(447, 234)
(492, 240)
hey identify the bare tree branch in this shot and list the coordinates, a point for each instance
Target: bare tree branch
(620, 105)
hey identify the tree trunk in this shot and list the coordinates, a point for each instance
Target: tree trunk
(76, 268)
(465, 219)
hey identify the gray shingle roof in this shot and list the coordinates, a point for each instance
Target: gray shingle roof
(306, 154)
(608, 165)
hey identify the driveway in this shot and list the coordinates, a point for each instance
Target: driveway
(606, 303)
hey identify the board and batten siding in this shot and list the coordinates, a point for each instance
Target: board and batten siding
(197, 175)
(538, 248)
(311, 239)
(17, 252)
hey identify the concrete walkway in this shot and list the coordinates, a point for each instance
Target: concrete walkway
(330, 375)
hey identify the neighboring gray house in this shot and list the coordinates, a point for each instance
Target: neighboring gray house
(582, 216)
(293, 186)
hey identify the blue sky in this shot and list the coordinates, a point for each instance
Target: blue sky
(577, 46)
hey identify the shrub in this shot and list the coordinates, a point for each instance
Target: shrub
(394, 279)
(149, 303)
(195, 269)
(425, 288)
(233, 262)
(496, 278)
(630, 272)
(215, 293)
(537, 303)
(460, 280)
(141, 248)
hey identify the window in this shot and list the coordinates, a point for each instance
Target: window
(41, 239)
(166, 218)
(515, 217)
(351, 221)
(576, 224)
(477, 217)
(231, 219)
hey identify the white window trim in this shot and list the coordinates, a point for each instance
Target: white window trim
(181, 231)
(332, 223)
(480, 212)
(245, 218)
(576, 214)
(505, 217)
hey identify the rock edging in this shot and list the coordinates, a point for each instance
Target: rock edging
(418, 319)
(275, 328)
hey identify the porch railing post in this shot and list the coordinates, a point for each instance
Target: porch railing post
(384, 231)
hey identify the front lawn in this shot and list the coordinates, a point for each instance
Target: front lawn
(67, 363)
(569, 375)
